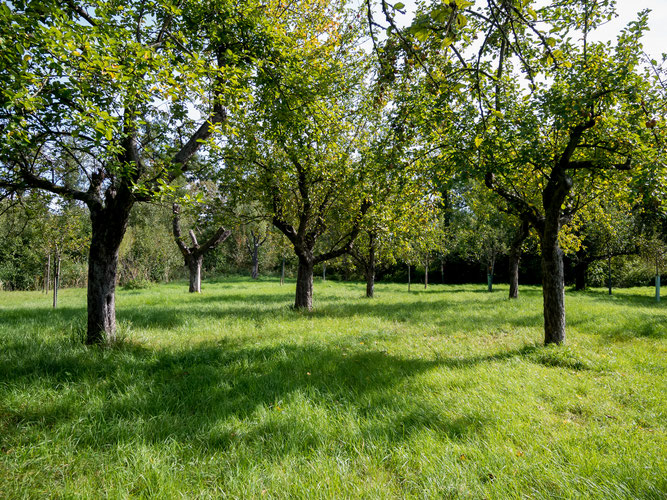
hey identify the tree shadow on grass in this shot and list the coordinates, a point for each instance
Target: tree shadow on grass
(278, 399)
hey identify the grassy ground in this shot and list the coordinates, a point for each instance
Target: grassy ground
(444, 393)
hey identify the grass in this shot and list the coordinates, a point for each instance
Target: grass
(444, 393)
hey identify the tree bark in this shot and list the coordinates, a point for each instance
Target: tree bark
(489, 273)
(408, 277)
(609, 268)
(370, 268)
(425, 274)
(324, 271)
(108, 229)
(515, 259)
(304, 284)
(442, 271)
(194, 266)
(553, 289)
(255, 262)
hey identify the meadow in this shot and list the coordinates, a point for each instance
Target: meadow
(438, 393)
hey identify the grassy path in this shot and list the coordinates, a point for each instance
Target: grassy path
(444, 393)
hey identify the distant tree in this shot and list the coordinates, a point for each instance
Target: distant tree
(296, 150)
(194, 254)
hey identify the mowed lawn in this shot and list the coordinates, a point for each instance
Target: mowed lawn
(443, 393)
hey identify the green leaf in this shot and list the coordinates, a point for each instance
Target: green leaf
(399, 6)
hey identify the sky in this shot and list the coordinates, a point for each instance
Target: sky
(655, 41)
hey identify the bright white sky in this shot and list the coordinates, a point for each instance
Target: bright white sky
(655, 41)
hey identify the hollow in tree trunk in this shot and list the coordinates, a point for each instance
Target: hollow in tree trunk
(553, 290)
(304, 285)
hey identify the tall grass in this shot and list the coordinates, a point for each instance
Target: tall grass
(444, 393)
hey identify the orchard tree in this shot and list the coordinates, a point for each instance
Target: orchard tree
(94, 106)
(194, 253)
(570, 137)
(296, 149)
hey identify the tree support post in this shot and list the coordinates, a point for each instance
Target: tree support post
(657, 287)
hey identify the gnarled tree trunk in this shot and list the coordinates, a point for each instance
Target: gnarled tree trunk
(108, 229)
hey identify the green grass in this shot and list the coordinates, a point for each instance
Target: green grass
(444, 393)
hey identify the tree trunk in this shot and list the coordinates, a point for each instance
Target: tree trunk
(194, 266)
(425, 274)
(442, 271)
(304, 285)
(553, 289)
(255, 262)
(370, 269)
(580, 272)
(609, 266)
(108, 229)
(489, 274)
(408, 277)
(324, 271)
(515, 259)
